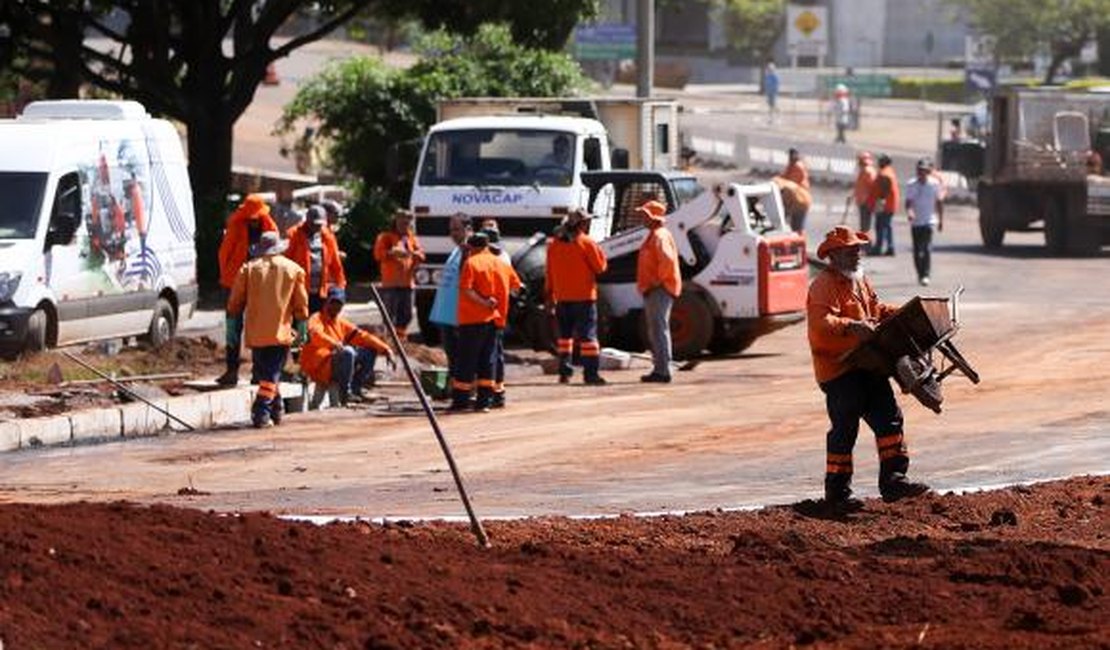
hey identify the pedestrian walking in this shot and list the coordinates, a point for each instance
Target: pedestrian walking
(925, 210)
(771, 90)
(863, 193)
(485, 283)
(659, 280)
(398, 253)
(313, 246)
(339, 355)
(270, 291)
(445, 308)
(242, 232)
(842, 111)
(886, 198)
(842, 310)
(574, 260)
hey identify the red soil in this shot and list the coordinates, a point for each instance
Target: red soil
(1026, 567)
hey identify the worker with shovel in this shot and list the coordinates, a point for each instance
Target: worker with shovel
(574, 261)
(843, 310)
(339, 354)
(270, 291)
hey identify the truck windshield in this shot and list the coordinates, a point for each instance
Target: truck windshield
(499, 157)
(22, 192)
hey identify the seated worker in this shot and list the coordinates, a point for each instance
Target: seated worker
(339, 354)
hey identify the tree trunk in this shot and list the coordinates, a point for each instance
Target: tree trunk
(210, 148)
(1054, 68)
(65, 38)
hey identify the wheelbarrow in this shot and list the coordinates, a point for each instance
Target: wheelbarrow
(903, 348)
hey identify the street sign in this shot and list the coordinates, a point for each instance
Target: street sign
(981, 79)
(807, 30)
(605, 41)
(861, 85)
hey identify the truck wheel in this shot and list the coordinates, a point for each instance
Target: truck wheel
(990, 222)
(162, 324)
(1055, 226)
(691, 325)
(36, 331)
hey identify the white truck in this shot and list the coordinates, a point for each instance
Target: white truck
(97, 227)
(520, 161)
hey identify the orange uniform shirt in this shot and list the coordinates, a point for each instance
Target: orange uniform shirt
(887, 193)
(795, 198)
(864, 190)
(798, 173)
(835, 300)
(657, 263)
(397, 272)
(489, 276)
(573, 267)
(235, 246)
(332, 274)
(324, 334)
(270, 289)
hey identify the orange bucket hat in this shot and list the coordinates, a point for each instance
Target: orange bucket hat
(841, 237)
(653, 210)
(253, 206)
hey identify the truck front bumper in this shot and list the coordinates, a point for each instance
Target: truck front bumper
(13, 326)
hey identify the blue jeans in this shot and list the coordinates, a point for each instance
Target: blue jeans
(884, 234)
(864, 218)
(351, 367)
(657, 315)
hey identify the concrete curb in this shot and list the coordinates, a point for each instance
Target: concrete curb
(202, 411)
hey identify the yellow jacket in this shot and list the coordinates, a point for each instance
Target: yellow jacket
(271, 290)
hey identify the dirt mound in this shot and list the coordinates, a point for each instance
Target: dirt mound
(1020, 568)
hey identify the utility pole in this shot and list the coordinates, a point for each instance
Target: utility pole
(645, 47)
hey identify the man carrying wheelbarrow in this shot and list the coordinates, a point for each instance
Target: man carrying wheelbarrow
(843, 310)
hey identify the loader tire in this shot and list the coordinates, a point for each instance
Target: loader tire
(691, 325)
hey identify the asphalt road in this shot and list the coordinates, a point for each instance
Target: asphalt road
(732, 433)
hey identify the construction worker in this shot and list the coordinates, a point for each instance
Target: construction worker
(493, 233)
(239, 244)
(485, 283)
(925, 211)
(863, 192)
(796, 169)
(398, 253)
(312, 244)
(659, 280)
(270, 289)
(796, 202)
(574, 261)
(842, 311)
(445, 307)
(886, 197)
(339, 354)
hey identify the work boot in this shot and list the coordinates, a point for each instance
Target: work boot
(564, 379)
(595, 381)
(230, 377)
(842, 502)
(276, 410)
(652, 378)
(898, 487)
(497, 401)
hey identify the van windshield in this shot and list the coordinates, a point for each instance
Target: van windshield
(22, 192)
(499, 157)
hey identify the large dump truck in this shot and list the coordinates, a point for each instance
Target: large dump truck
(1043, 169)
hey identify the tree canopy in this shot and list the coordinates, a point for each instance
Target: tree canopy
(1022, 28)
(752, 27)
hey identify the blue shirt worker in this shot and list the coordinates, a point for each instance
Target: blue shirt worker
(445, 307)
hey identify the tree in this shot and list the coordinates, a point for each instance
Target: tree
(1022, 28)
(752, 27)
(545, 25)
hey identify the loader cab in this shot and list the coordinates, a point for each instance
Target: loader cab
(631, 189)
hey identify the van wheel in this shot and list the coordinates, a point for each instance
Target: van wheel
(162, 325)
(36, 331)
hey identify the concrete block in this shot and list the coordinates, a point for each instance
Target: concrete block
(95, 423)
(41, 432)
(194, 409)
(9, 436)
(231, 406)
(142, 420)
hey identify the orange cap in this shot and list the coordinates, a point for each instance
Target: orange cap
(253, 206)
(653, 210)
(841, 237)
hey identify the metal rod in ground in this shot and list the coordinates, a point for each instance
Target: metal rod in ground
(475, 523)
(74, 358)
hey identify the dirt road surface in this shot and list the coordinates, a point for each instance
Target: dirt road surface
(732, 433)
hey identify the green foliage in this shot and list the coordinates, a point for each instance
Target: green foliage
(367, 217)
(540, 24)
(753, 26)
(949, 89)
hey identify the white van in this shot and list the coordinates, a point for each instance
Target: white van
(96, 226)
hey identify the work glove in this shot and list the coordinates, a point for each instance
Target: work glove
(233, 332)
(301, 328)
